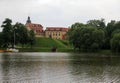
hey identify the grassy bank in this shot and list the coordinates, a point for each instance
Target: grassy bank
(46, 44)
(45, 50)
(106, 52)
(49, 43)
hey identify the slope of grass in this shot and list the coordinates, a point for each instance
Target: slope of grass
(49, 43)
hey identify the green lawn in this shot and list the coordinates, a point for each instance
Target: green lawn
(46, 44)
(49, 43)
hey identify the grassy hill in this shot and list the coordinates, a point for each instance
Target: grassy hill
(45, 45)
(49, 43)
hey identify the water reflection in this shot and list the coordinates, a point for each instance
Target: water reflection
(96, 68)
(58, 68)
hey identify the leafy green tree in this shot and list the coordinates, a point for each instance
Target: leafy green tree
(111, 28)
(15, 34)
(7, 32)
(73, 28)
(108, 30)
(117, 25)
(115, 42)
(97, 23)
(73, 36)
(22, 35)
(87, 38)
(91, 38)
(115, 32)
(32, 38)
(98, 37)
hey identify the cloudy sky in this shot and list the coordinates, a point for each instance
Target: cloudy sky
(59, 12)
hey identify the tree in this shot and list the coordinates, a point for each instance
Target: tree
(15, 34)
(111, 28)
(98, 37)
(73, 35)
(117, 25)
(86, 37)
(7, 32)
(97, 23)
(108, 30)
(31, 38)
(22, 35)
(115, 42)
(91, 38)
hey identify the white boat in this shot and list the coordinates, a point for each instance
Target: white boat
(12, 50)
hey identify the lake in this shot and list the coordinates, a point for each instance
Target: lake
(59, 68)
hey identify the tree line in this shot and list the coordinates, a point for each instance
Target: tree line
(92, 36)
(95, 35)
(12, 35)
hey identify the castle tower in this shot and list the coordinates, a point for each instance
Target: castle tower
(37, 28)
(28, 20)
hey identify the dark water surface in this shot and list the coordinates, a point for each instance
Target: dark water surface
(59, 68)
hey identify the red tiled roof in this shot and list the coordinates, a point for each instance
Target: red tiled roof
(35, 27)
(56, 29)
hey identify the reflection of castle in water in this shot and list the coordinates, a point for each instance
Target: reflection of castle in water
(52, 32)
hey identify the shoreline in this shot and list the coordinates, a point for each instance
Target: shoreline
(61, 50)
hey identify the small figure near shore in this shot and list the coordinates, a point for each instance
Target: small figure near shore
(54, 49)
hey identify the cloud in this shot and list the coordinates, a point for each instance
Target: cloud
(59, 12)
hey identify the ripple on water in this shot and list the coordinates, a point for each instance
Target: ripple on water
(58, 68)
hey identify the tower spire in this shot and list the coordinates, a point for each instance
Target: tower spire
(28, 20)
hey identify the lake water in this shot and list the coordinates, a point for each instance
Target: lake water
(59, 68)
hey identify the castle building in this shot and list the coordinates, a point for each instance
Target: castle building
(56, 32)
(37, 28)
(49, 32)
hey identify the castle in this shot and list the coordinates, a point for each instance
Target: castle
(49, 32)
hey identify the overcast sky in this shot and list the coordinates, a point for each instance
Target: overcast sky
(59, 12)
